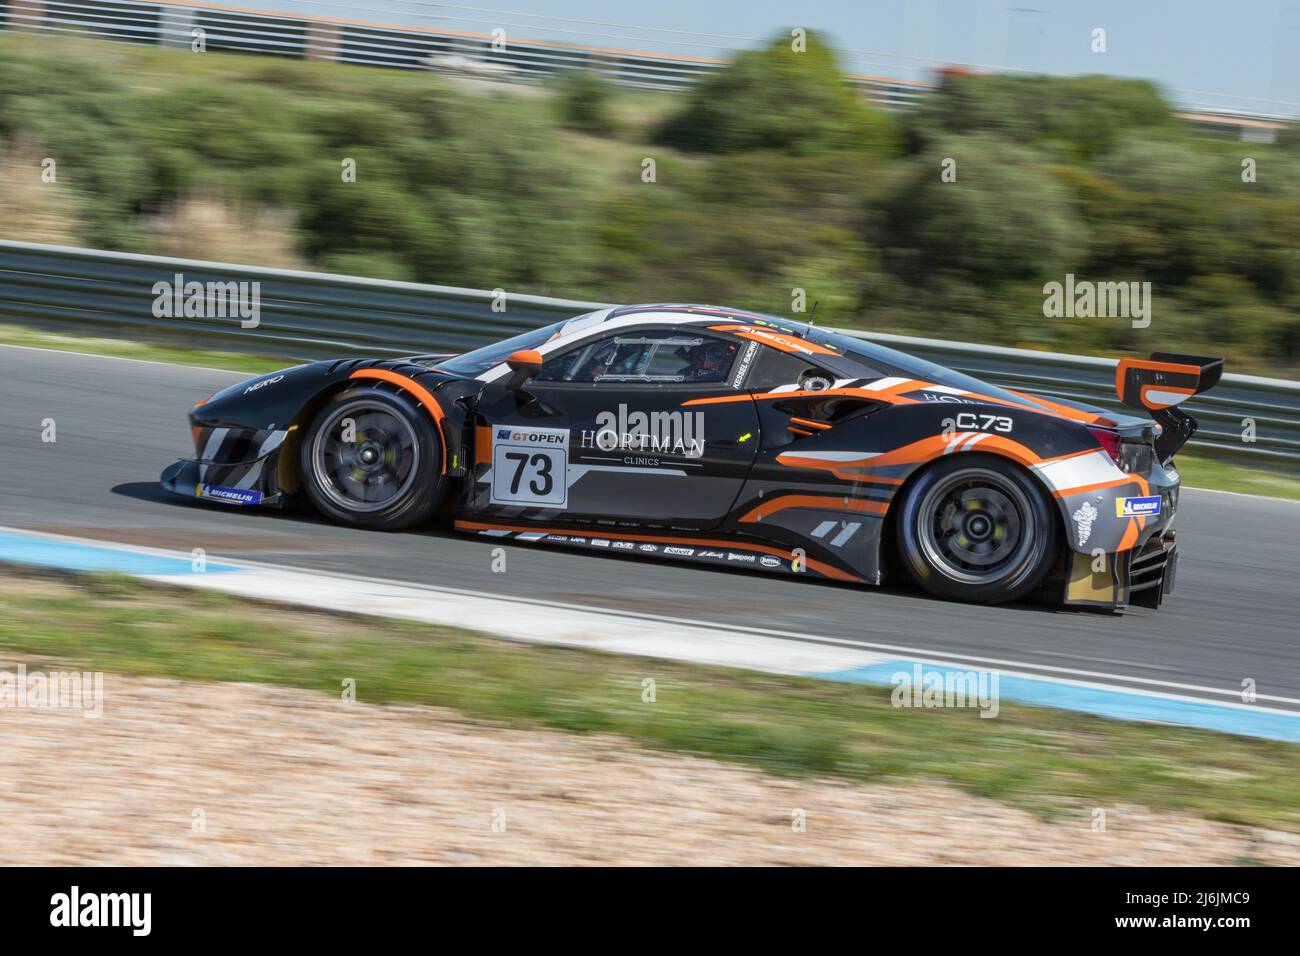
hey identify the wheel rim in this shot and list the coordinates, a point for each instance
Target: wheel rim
(976, 527)
(368, 466)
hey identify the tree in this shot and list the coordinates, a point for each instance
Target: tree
(1076, 117)
(1004, 217)
(779, 98)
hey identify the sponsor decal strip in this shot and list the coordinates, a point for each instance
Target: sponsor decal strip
(825, 570)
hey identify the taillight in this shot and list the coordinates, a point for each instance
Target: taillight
(1108, 439)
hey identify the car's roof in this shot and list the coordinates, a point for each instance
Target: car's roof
(874, 359)
(850, 355)
(847, 356)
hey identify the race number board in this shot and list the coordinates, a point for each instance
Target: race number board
(530, 466)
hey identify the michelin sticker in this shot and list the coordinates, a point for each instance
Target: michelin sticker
(1083, 519)
(1137, 507)
(530, 466)
(231, 496)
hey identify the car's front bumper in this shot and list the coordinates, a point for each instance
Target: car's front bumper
(187, 477)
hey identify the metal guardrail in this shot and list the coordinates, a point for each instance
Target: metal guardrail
(304, 35)
(307, 315)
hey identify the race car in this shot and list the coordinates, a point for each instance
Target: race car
(725, 437)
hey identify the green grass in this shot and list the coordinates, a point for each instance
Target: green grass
(128, 348)
(1220, 475)
(1050, 762)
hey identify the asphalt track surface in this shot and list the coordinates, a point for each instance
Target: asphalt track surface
(1235, 614)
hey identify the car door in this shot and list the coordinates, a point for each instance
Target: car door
(640, 426)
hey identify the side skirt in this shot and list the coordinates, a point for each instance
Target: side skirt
(732, 553)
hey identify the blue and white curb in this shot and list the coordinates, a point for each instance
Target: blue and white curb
(1248, 720)
(72, 554)
(657, 636)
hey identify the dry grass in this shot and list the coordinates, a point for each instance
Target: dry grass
(179, 773)
(205, 227)
(33, 208)
(1055, 765)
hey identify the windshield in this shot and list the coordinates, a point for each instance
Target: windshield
(480, 360)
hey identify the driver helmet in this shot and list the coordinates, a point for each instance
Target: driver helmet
(710, 356)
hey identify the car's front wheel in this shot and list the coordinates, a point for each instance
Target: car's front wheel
(372, 458)
(977, 528)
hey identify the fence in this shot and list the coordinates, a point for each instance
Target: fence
(303, 36)
(306, 315)
(317, 37)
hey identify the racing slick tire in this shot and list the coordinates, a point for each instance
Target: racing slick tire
(977, 528)
(373, 458)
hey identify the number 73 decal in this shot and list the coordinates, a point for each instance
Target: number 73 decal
(530, 466)
(975, 422)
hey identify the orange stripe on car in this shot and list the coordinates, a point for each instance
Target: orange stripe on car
(1065, 411)
(825, 393)
(1135, 525)
(1072, 454)
(822, 502)
(1175, 368)
(809, 423)
(482, 445)
(785, 343)
(415, 388)
(1084, 489)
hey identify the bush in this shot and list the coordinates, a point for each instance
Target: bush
(1004, 218)
(1076, 117)
(584, 102)
(789, 180)
(778, 99)
(744, 230)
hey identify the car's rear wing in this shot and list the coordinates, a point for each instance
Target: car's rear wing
(1157, 385)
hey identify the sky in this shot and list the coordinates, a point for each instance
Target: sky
(1239, 55)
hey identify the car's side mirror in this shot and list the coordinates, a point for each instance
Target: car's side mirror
(524, 365)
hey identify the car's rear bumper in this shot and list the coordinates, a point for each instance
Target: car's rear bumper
(1151, 571)
(1144, 568)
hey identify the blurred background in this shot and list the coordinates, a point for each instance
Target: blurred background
(923, 167)
(507, 149)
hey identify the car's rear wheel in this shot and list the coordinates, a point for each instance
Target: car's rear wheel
(372, 458)
(977, 528)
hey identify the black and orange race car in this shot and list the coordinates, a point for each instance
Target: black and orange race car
(722, 437)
